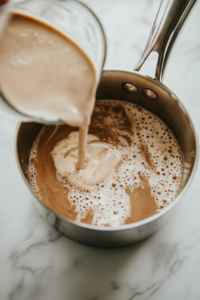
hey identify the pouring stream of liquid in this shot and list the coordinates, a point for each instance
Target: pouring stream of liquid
(81, 164)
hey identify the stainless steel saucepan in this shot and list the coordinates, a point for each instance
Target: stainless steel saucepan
(154, 96)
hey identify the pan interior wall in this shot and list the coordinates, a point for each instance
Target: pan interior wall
(166, 106)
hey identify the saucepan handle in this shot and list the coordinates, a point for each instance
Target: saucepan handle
(169, 20)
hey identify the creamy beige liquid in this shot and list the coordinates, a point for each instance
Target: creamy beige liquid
(45, 74)
(134, 152)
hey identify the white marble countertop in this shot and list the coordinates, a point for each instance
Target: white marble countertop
(38, 263)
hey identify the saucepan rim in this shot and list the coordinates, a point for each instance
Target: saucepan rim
(132, 225)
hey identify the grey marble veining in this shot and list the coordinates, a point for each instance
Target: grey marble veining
(38, 263)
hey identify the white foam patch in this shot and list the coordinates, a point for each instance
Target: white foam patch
(101, 159)
(153, 153)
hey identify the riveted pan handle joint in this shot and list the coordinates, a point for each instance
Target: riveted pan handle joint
(168, 23)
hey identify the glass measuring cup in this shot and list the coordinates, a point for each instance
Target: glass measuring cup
(70, 17)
